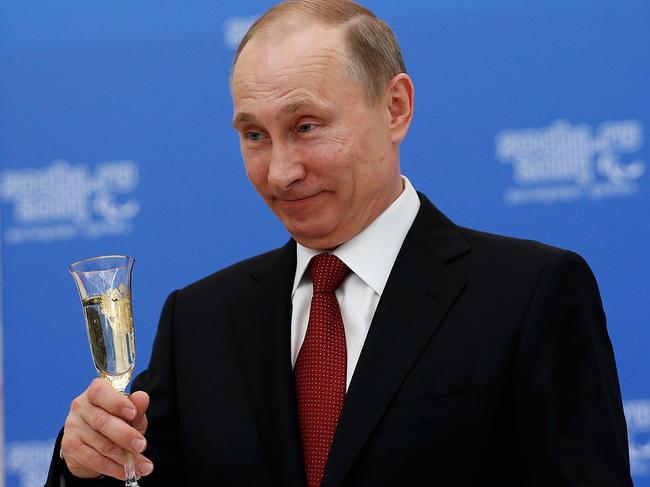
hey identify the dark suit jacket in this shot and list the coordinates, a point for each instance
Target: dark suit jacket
(487, 363)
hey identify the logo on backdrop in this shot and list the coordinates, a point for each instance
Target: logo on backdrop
(29, 461)
(564, 162)
(234, 29)
(64, 201)
(637, 415)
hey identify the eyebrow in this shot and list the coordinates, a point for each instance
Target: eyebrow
(242, 117)
(291, 107)
(296, 105)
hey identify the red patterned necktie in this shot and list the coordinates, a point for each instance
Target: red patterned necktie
(321, 366)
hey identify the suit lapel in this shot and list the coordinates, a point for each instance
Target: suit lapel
(417, 296)
(263, 337)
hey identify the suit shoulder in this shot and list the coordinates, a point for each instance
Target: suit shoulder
(233, 276)
(513, 272)
(518, 253)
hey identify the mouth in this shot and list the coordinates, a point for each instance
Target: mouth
(297, 199)
(297, 203)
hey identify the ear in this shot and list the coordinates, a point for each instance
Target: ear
(399, 100)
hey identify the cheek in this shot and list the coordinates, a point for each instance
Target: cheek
(256, 170)
(331, 158)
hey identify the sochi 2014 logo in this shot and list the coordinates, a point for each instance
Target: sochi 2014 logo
(637, 416)
(564, 162)
(62, 201)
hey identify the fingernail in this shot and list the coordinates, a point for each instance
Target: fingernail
(146, 468)
(128, 413)
(138, 444)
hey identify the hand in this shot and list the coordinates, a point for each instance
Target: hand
(101, 427)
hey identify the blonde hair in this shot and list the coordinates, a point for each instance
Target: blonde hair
(374, 56)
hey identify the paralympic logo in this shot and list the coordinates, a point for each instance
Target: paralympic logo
(63, 201)
(29, 461)
(564, 162)
(637, 416)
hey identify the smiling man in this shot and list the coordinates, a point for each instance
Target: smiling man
(382, 345)
(321, 152)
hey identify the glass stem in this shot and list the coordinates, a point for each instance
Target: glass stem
(129, 466)
(129, 471)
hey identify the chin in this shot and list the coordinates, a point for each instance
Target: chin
(313, 239)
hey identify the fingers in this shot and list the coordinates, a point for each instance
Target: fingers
(97, 433)
(101, 394)
(85, 455)
(106, 456)
(119, 432)
(112, 427)
(140, 400)
(104, 465)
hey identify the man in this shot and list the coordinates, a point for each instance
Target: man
(414, 352)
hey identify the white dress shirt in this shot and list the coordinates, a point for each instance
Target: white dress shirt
(370, 256)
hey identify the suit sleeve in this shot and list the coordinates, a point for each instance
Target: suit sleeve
(162, 432)
(567, 397)
(159, 381)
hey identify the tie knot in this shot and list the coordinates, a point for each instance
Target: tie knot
(327, 272)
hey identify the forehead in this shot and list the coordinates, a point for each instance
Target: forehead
(302, 61)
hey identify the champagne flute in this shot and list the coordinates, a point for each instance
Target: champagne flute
(104, 285)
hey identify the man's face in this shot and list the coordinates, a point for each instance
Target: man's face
(315, 149)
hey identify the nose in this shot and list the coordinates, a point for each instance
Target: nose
(285, 167)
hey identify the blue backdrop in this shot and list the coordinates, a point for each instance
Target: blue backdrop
(115, 137)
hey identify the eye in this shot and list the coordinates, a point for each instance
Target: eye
(304, 128)
(253, 135)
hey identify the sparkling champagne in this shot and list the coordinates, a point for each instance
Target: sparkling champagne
(104, 285)
(109, 322)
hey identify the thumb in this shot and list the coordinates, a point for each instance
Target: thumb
(140, 400)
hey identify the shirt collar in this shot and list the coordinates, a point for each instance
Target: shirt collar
(372, 253)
